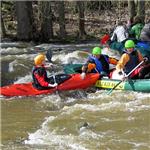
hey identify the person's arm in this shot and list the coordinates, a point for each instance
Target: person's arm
(41, 80)
(140, 56)
(87, 68)
(122, 62)
(113, 61)
(86, 65)
(113, 38)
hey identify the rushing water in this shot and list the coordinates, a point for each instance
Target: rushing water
(73, 120)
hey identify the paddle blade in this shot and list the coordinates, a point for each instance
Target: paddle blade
(49, 55)
(105, 39)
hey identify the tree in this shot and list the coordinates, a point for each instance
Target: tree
(80, 6)
(131, 7)
(3, 30)
(61, 19)
(141, 9)
(136, 8)
(24, 20)
(46, 20)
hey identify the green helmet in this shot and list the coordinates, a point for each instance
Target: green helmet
(96, 51)
(129, 44)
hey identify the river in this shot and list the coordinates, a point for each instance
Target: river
(73, 120)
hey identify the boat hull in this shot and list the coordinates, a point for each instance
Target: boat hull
(73, 83)
(141, 85)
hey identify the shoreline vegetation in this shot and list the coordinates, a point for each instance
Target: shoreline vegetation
(64, 21)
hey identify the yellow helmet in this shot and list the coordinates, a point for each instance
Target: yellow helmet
(39, 59)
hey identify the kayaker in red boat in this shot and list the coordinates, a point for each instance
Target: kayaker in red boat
(128, 61)
(98, 62)
(39, 74)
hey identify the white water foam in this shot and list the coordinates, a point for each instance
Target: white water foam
(27, 78)
(11, 66)
(69, 58)
(13, 50)
(44, 136)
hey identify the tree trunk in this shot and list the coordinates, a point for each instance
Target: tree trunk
(80, 6)
(24, 20)
(3, 30)
(132, 9)
(46, 21)
(141, 9)
(61, 19)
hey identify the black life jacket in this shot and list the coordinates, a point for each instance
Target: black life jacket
(133, 61)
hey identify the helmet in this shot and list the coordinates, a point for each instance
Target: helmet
(129, 44)
(96, 51)
(39, 59)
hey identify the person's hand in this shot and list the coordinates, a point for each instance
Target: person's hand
(121, 72)
(83, 75)
(52, 85)
(145, 59)
(122, 75)
(49, 65)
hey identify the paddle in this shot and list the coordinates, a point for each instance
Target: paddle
(105, 39)
(54, 77)
(49, 55)
(109, 92)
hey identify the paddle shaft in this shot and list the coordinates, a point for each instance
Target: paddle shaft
(135, 68)
(54, 77)
(126, 77)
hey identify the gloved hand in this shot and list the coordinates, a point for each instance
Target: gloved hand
(83, 75)
(49, 65)
(52, 85)
(145, 59)
(121, 72)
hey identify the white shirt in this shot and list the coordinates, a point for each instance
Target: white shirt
(120, 33)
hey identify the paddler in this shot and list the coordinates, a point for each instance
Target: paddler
(39, 74)
(128, 61)
(98, 62)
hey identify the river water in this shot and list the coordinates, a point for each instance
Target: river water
(73, 120)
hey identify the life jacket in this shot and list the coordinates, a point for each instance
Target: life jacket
(102, 64)
(40, 71)
(133, 61)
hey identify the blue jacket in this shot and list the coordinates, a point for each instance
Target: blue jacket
(102, 64)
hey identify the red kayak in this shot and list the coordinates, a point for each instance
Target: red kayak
(73, 83)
